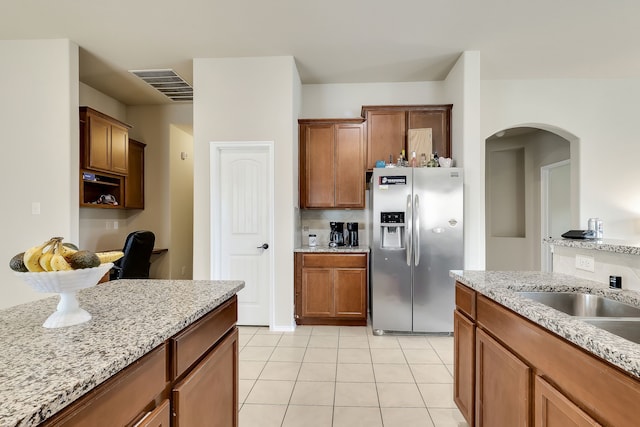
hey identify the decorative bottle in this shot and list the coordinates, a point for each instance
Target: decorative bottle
(432, 163)
(414, 161)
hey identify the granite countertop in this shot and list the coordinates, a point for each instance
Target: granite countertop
(43, 370)
(500, 286)
(338, 249)
(607, 245)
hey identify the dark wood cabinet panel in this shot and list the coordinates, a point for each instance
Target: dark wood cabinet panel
(464, 341)
(552, 409)
(438, 118)
(208, 395)
(134, 181)
(123, 398)
(317, 292)
(503, 384)
(319, 165)
(350, 292)
(331, 289)
(104, 142)
(388, 125)
(331, 154)
(386, 135)
(349, 166)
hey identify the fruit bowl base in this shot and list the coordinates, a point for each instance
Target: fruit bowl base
(68, 312)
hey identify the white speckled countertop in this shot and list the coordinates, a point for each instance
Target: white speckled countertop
(337, 249)
(607, 245)
(43, 370)
(500, 286)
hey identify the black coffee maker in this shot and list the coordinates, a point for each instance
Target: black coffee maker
(336, 237)
(352, 233)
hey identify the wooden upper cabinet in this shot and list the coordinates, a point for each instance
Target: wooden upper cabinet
(134, 181)
(104, 142)
(388, 125)
(386, 135)
(438, 118)
(332, 172)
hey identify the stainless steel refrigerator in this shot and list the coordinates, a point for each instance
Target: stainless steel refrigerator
(417, 237)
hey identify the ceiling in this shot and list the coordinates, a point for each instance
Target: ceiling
(336, 41)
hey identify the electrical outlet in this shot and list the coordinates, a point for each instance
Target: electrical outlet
(585, 263)
(305, 229)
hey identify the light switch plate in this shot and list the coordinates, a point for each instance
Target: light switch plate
(586, 263)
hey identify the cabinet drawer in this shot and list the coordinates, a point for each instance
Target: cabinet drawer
(334, 261)
(159, 417)
(122, 398)
(193, 342)
(466, 300)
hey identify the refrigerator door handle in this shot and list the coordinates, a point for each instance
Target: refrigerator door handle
(409, 224)
(416, 240)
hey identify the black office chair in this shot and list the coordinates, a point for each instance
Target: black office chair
(137, 255)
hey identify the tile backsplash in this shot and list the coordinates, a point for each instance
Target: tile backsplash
(316, 221)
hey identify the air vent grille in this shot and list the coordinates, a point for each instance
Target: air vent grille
(168, 83)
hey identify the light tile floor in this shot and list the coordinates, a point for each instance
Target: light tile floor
(330, 376)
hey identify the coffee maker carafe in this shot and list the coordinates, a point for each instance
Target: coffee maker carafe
(352, 233)
(336, 237)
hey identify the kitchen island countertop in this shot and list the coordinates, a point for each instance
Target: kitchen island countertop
(43, 370)
(501, 286)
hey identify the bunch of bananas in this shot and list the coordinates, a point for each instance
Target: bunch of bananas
(53, 255)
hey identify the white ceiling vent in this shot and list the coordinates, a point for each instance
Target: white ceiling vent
(168, 83)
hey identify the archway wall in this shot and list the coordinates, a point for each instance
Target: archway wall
(599, 118)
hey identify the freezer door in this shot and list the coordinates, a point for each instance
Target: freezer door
(391, 258)
(438, 225)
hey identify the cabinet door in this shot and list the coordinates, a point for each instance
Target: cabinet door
(134, 182)
(386, 135)
(350, 168)
(438, 118)
(464, 341)
(99, 144)
(503, 384)
(159, 417)
(350, 292)
(208, 396)
(119, 149)
(317, 292)
(552, 409)
(319, 166)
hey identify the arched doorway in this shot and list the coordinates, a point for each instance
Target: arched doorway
(515, 164)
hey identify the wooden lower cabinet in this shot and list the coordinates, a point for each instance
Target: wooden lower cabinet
(331, 289)
(502, 385)
(190, 380)
(528, 376)
(464, 343)
(552, 409)
(208, 395)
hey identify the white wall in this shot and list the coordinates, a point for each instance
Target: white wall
(181, 194)
(249, 99)
(39, 163)
(602, 114)
(462, 88)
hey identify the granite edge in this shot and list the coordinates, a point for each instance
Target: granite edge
(619, 247)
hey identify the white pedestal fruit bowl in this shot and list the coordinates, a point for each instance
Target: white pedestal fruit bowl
(66, 283)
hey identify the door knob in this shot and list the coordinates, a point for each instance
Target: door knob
(264, 246)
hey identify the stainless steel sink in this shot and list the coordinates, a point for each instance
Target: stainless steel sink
(627, 329)
(583, 305)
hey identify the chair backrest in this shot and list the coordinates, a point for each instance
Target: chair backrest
(137, 255)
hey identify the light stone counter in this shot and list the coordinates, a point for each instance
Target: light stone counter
(43, 370)
(337, 249)
(607, 245)
(500, 286)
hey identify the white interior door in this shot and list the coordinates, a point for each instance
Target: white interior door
(243, 237)
(556, 205)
